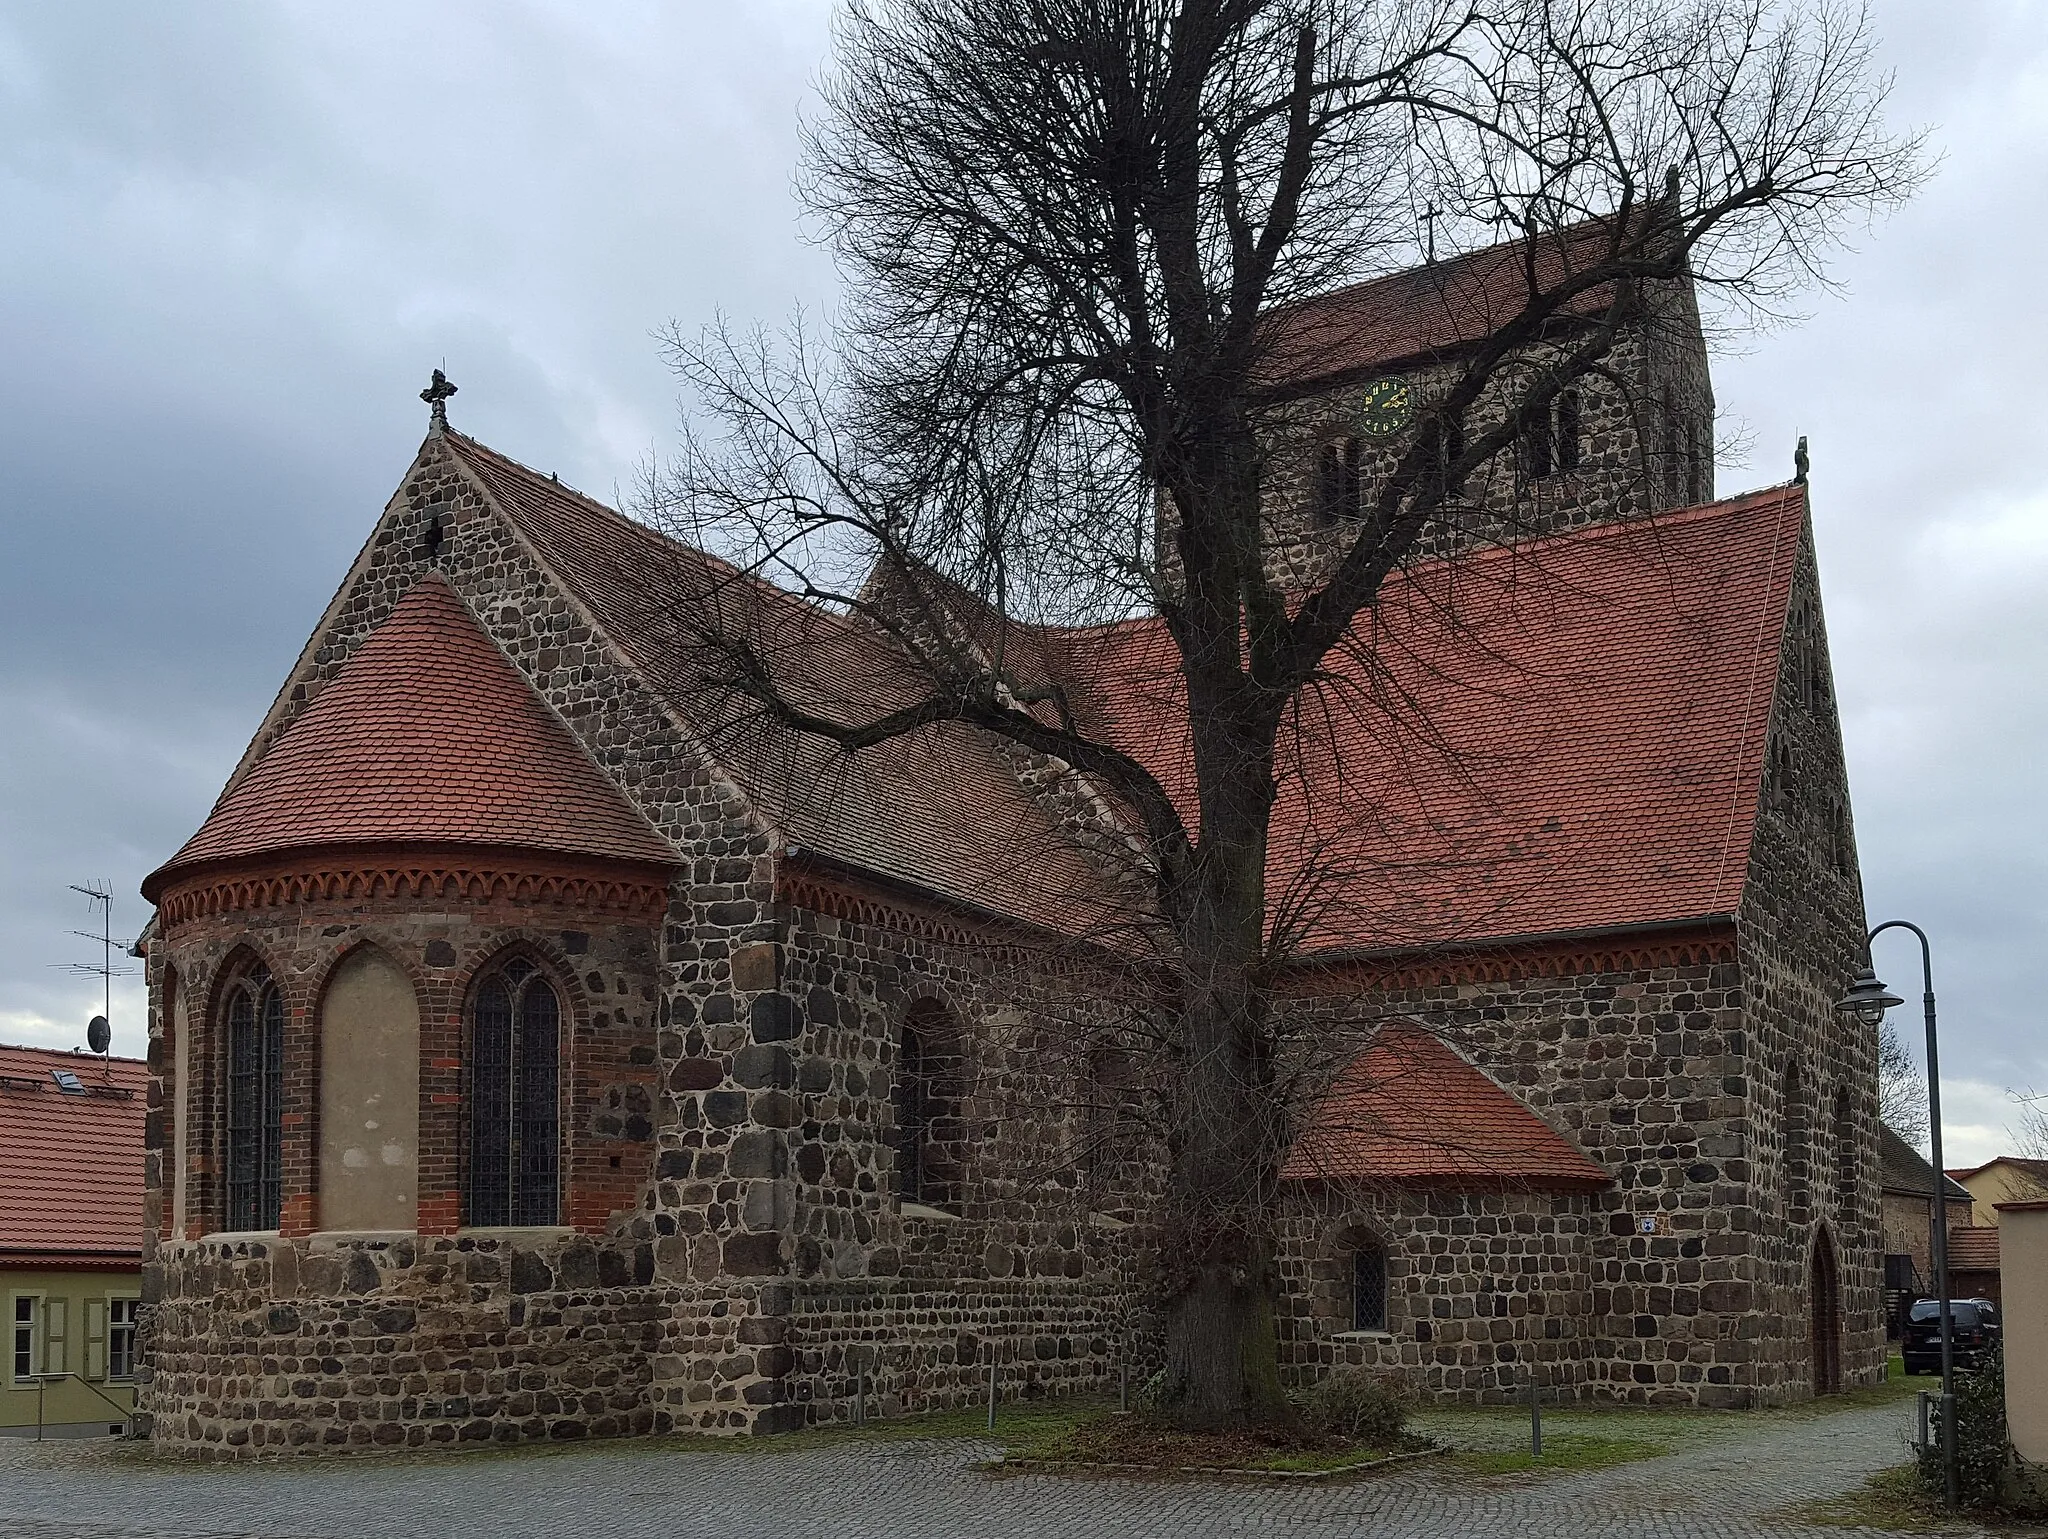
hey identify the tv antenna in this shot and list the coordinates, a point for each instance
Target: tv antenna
(99, 1031)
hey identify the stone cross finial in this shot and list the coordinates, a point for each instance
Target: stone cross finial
(436, 396)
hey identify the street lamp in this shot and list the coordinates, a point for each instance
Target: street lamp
(1868, 1000)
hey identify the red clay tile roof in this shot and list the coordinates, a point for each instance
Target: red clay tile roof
(70, 1165)
(939, 808)
(1410, 1109)
(1973, 1248)
(429, 734)
(1559, 736)
(1425, 311)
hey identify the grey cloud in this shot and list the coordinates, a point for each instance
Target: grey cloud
(234, 238)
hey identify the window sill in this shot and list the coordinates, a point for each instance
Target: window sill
(516, 1232)
(920, 1210)
(1107, 1221)
(327, 1239)
(1363, 1336)
(235, 1236)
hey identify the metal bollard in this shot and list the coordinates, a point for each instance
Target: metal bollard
(1920, 1437)
(1535, 1419)
(991, 1390)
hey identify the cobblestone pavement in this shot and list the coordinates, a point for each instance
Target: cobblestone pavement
(1732, 1480)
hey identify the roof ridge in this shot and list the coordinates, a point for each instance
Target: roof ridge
(70, 1054)
(1441, 266)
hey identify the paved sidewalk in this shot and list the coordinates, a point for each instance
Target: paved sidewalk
(1730, 1485)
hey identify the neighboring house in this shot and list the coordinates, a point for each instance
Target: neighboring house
(542, 1031)
(1973, 1271)
(2005, 1179)
(1906, 1182)
(71, 1184)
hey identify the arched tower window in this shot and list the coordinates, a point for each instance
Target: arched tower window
(927, 1093)
(515, 1129)
(1568, 429)
(1536, 447)
(1368, 1286)
(254, 1018)
(1340, 481)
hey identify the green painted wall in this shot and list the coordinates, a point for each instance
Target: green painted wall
(66, 1322)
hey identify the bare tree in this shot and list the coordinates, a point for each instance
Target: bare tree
(1901, 1087)
(2031, 1136)
(1066, 229)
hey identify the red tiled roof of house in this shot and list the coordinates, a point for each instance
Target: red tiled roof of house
(429, 734)
(1409, 1109)
(940, 808)
(70, 1164)
(1559, 736)
(1973, 1248)
(1428, 310)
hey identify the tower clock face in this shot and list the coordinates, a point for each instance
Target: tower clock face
(1387, 407)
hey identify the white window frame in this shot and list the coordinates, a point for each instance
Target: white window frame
(37, 1343)
(131, 1327)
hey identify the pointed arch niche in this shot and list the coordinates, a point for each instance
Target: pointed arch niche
(369, 1096)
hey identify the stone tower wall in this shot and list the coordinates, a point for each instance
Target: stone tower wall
(1629, 465)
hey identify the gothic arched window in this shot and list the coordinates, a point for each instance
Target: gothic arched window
(1536, 448)
(1369, 1286)
(254, 1018)
(1340, 481)
(515, 1125)
(1568, 429)
(927, 1094)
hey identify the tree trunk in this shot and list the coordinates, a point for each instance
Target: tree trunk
(1222, 1353)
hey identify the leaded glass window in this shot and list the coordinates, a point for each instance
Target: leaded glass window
(255, 1130)
(515, 1135)
(928, 1089)
(1368, 1287)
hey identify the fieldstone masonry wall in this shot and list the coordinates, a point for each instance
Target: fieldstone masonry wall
(1484, 1289)
(733, 1255)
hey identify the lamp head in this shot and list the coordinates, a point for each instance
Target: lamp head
(1867, 999)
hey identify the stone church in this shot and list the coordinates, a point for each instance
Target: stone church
(538, 1054)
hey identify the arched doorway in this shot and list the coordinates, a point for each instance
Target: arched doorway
(1825, 1309)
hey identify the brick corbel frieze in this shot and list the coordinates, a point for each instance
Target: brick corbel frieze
(1649, 948)
(467, 876)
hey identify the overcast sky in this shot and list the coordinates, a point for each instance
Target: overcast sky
(234, 239)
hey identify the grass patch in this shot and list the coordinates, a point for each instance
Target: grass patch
(1563, 1452)
(1891, 1500)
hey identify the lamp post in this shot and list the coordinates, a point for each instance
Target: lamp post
(1868, 1000)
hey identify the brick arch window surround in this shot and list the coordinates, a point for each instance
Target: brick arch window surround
(514, 1174)
(252, 1020)
(928, 1088)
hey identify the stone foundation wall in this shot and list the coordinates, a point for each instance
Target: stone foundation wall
(894, 1347)
(289, 1346)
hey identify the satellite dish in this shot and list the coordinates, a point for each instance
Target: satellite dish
(98, 1034)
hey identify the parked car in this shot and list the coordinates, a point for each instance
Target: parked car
(1973, 1326)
